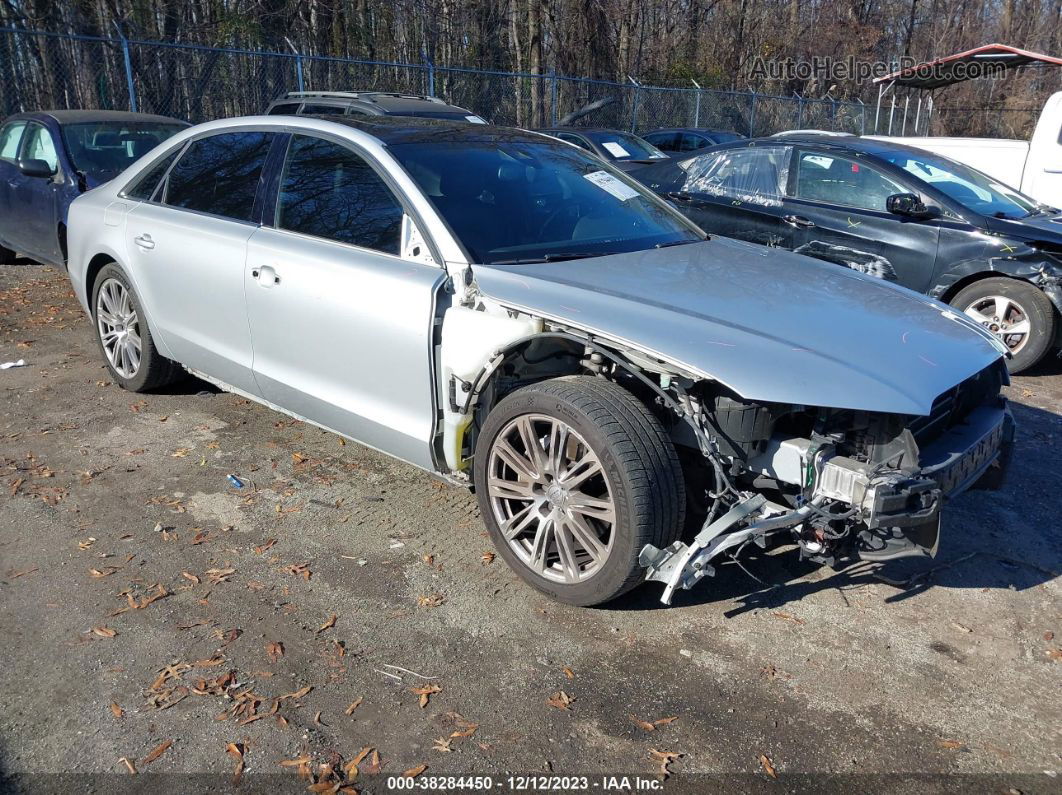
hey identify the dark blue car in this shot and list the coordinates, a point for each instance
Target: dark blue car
(49, 158)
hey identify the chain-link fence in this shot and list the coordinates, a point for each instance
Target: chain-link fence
(57, 71)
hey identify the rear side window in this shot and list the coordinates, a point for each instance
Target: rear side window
(664, 141)
(10, 136)
(143, 187)
(328, 191)
(287, 109)
(323, 110)
(755, 175)
(691, 142)
(220, 174)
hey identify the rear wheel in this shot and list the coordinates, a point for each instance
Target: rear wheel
(1017, 312)
(123, 334)
(574, 476)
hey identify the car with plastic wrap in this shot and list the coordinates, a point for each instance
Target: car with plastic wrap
(628, 398)
(49, 158)
(892, 211)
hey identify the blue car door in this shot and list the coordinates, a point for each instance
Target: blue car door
(12, 230)
(39, 195)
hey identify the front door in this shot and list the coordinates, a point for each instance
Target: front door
(341, 325)
(738, 193)
(189, 249)
(12, 227)
(837, 207)
(38, 196)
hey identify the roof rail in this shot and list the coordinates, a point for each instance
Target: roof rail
(366, 95)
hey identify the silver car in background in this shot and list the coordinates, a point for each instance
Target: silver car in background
(629, 399)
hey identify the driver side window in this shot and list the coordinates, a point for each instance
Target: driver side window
(825, 177)
(39, 146)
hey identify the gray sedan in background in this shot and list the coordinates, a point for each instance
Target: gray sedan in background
(629, 399)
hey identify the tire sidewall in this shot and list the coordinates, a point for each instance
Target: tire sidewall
(610, 580)
(1033, 302)
(137, 382)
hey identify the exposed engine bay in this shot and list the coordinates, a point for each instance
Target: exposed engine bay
(838, 483)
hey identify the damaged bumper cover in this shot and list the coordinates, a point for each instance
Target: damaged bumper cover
(893, 512)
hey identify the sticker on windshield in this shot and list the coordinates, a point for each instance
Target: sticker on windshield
(475, 119)
(607, 182)
(615, 149)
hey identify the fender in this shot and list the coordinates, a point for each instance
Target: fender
(1022, 261)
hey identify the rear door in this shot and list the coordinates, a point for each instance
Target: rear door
(12, 229)
(341, 324)
(38, 197)
(188, 248)
(836, 206)
(738, 193)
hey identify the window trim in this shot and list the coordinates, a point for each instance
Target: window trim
(21, 137)
(272, 200)
(124, 192)
(852, 157)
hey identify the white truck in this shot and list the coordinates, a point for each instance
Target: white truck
(1033, 167)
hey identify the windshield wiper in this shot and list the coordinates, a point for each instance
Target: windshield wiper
(678, 243)
(558, 257)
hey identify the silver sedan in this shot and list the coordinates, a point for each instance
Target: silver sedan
(629, 399)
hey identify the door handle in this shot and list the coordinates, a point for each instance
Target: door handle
(144, 241)
(266, 276)
(798, 221)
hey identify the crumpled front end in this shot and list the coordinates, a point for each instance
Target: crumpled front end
(839, 483)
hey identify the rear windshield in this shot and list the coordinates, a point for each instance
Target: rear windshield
(102, 149)
(536, 202)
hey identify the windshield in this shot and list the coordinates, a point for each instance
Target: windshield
(536, 202)
(624, 146)
(972, 189)
(100, 148)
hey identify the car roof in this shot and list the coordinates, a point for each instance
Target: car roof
(710, 130)
(88, 116)
(848, 143)
(392, 103)
(416, 129)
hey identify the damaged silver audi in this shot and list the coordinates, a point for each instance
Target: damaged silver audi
(629, 399)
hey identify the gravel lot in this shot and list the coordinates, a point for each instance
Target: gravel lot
(147, 604)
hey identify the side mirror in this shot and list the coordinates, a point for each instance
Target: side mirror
(910, 205)
(32, 167)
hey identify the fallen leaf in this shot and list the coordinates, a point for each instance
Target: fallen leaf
(643, 724)
(213, 662)
(15, 575)
(664, 758)
(353, 706)
(129, 764)
(768, 768)
(104, 632)
(568, 672)
(788, 617)
(442, 745)
(560, 700)
(374, 765)
(487, 558)
(331, 622)
(275, 650)
(299, 762)
(97, 573)
(116, 710)
(1049, 636)
(189, 576)
(431, 600)
(158, 751)
(297, 694)
(236, 752)
(665, 721)
(425, 693)
(468, 731)
(1055, 654)
(299, 458)
(317, 718)
(180, 452)
(265, 546)
(413, 772)
(950, 745)
(352, 766)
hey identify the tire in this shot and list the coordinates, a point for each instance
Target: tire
(628, 471)
(151, 369)
(995, 301)
(7, 256)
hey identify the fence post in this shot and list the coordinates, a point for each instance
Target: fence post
(696, 104)
(431, 72)
(862, 116)
(634, 103)
(800, 111)
(552, 97)
(128, 68)
(298, 65)
(752, 116)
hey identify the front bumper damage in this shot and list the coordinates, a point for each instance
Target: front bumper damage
(891, 512)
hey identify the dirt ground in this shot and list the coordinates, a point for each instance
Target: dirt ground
(156, 619)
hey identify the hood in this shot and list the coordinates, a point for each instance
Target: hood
(1045, 228)
(771, 325)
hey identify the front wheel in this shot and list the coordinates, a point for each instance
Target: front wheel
(1017, 312)
(123, 334)
(574, 476)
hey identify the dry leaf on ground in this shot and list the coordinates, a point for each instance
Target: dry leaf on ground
(331, 622)
(158, 751)
(425, 693)
(353, 706)
(560, 700)
(768, 768)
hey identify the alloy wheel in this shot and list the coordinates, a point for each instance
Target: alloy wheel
(1004, 317)
(119, 328)
(551, 498)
